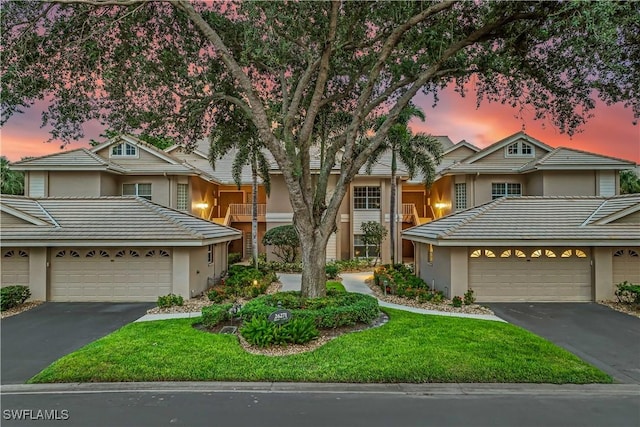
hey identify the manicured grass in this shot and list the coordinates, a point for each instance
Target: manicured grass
(338, 286)
(409, 348)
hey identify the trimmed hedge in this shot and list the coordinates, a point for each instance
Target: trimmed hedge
(244, 281)
(215, 314)
(334, 310)
(11, 296)
(261, 332)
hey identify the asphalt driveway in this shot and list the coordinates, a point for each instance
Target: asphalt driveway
(32, 340)
(598, 335)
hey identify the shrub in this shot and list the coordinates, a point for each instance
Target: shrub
(11, 296)
(216, 295)
(456, 301)
(234, 257)
(283, 267)
(170, 300)
(262, 333)
(469, 297)
(215, 314)
(334, 310)
(438, 297)
(628, 293)
(332, 271)
(285, 239)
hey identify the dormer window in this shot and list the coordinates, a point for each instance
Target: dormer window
(124, 150)
(519, 149)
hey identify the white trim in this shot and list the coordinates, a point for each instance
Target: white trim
(279, 217)
(39, 243)
(525, 243)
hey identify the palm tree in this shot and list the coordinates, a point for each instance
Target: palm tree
(419, 153)
(241, 136)
(12, 181)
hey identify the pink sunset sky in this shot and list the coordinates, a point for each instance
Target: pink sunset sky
(610, 132)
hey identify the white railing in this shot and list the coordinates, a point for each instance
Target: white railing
(245, 209)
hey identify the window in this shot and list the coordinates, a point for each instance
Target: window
(9, 254)
(537, 253)
(140, 190)
(90, 254)
(506, 254)
(502, 189)
(520, 254)
(74, 254)
(61, 254)
(362, 250)
(566, 254)
(134, 254)
(120, 254)
(124, 149)
(183, 197)
(366, 197)
(549, 253)
(489, 253)
(580, 254)
(210, 254)
(461, 196)
(163, 253)
(519, 148)
(150, 254)
(633, 253)
(430, 254)
(104, 254)
(476, 254)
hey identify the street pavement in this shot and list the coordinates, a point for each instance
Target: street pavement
(310, 405)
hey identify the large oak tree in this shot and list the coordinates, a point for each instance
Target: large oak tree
(176, 68)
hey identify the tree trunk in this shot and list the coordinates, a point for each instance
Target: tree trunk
(392, 207)
(254, 213)
(314, 254)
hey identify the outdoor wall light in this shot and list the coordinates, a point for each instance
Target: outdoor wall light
(440, 205)
(202, 205)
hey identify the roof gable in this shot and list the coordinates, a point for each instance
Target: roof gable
(507, 141)
(154, 151)
(78, 159)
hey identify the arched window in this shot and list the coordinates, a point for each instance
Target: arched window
(134, 254)
(164, 253)
(74, 254)
(23, 254)
(61, 254)
(90, 254)
(104, 254)
(580, 254)
(476, 254)
(633, 253)
(549, 253)
(120, 254)
(520, 254)
(537, 253)
(506, 254)
(150, 253)
(489, 253)
(9, 254)
(566, 254)
(618, 253)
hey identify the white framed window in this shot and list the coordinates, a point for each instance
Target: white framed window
(430, 254)
(140, 190)
(362, 250)
(366, 197)
(519, 149)
(183, 197)
(461, 196)
(503, 189)
(210, 254)
(124, 150)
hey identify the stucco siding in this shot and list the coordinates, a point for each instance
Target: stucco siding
(109, 185)
(160, 187)
(74, 184)
(569, 183)
(437, 273)
(633, 218)
(9, 220)
(483, 183)
(535, 184)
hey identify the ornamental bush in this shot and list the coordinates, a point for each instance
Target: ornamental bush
(166, 301)
(262, 333)
(334, 310)
(286, 241)
(12, 296)
(215, 314)
(242, 281)
(628, 293)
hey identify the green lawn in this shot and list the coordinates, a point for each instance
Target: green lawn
(333, 284)
(409, 348)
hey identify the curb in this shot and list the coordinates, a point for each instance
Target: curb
(439, 389)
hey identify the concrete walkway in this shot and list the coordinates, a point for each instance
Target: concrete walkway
(355, 282)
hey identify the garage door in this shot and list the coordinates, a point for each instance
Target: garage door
(537, 274)
(88, 274)
(626, 265)
(15, 267)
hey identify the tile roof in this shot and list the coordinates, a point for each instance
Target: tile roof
(569, 158)
(522, 219)
(102, 220)
(78, 159)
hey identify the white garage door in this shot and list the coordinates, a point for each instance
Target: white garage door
(536, 274)
(15, 267)
(626, 265)
(88, 274)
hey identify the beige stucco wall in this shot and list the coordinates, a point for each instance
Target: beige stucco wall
(142, 157)
(200, 191)
(109, 185)
(459, 154)
(74, 184)
(499, 157)
(8, 219)
(482, 186)
(441, 192)
(438, 273)
(603, 277)
(534, 184)
(200, 270)
(160, 187)
(181, 272)
(278, 201)
(569, 183)
(459, 268)
(633, 218)
(38, 273)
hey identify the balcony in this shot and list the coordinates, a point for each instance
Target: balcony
(410, 214)
(241, 212)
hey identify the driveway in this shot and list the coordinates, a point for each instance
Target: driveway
(32, 340)
(603, 337)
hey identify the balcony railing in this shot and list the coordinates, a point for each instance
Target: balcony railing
(245, 209)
